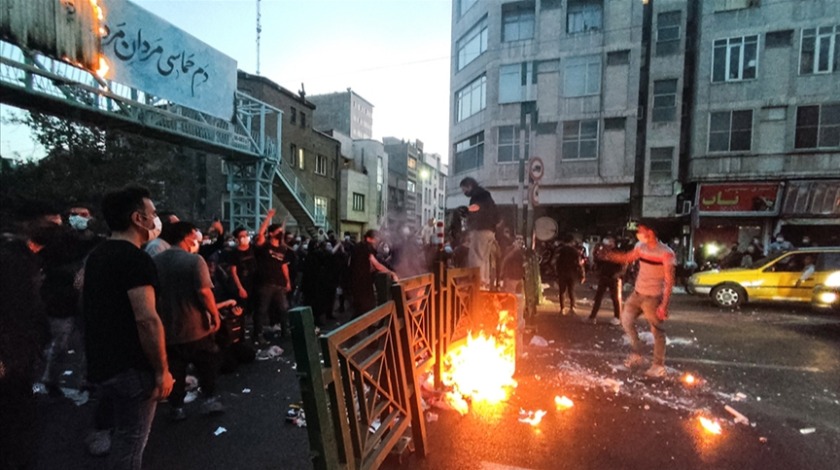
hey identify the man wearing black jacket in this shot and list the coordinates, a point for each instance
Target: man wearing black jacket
(609, 277)
(481, 221)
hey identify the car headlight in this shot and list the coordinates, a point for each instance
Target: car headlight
(827, 297)
(833, 279)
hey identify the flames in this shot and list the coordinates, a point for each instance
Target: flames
(482, 369)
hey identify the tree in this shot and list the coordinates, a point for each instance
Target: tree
(84, 162)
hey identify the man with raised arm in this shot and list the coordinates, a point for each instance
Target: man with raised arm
(651, 294)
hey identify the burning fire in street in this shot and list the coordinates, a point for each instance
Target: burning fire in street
(563, 402)
(482, 369)
(712, 427)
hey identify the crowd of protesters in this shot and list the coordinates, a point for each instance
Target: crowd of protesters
(153, 298)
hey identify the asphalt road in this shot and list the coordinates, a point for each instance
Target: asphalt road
(779, 366)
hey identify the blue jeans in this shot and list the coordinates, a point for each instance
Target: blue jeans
(130, 394)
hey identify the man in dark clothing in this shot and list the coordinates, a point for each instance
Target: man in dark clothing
(363, 264)
(569, 272)
(124, 338)
(481, 221)
(609, 277)
(273, 282)
(243, 271)
(189, 314)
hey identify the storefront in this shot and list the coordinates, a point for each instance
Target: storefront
(726, 214)
(811, 210)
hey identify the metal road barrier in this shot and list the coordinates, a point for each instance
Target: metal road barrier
(360, 383)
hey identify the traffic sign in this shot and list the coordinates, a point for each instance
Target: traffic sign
(536, 168)
(534, 195)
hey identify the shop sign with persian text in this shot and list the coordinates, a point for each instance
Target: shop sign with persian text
(739, 199)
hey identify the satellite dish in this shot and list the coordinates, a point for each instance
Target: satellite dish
(545, 229)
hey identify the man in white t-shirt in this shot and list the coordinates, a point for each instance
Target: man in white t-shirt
(651, 295)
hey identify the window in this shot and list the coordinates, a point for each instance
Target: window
(661, 161)
(734, 59)
(583, 76)
(358, 202)
(469, 153)
(412, 163)
(292, 155)
(410, 186)
(293, 116)
(508, 144)
(664, 100)
(300, 159)
(730, 131)
(302, 119)
(471, 99)
(818, 126)
(584, 15)
(820, 51)
(465, 5)
(518, 22)
(580, 140)
(668, 32)
(321, 206)
(513, 80)
(472, 44)
(321, 165)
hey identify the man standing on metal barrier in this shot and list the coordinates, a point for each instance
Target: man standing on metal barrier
(651, 295)
(481, 221)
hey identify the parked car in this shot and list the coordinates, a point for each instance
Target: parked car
(791, 276)
(827, 295)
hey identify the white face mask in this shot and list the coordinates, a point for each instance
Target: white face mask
(157, 226)
(78, 222)
(244, 240)
(231, 244)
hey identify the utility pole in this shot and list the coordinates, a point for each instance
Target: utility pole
(259, 30)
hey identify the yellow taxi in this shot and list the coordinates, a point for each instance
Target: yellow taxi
(791, 276)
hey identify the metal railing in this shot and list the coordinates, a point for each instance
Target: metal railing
(366, 392)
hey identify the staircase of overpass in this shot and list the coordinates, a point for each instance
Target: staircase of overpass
(249, 145)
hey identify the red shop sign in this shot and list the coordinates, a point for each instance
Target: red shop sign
(750, 199)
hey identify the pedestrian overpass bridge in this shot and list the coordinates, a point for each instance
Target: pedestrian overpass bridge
(249, 143)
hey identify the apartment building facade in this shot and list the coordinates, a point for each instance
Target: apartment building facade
(553, 79)
(346, 112)
(431, 185)
(649, 108)
(765, 157)
(404, 201)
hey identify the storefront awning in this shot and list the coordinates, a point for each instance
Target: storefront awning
(808, 199)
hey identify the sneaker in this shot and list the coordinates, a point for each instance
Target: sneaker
(212, 405)
(615, 321)
(178, 414)
(98, 442)
(634, 360)
(656, 371)
(592, 320)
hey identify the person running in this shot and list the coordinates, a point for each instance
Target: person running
(651, 295)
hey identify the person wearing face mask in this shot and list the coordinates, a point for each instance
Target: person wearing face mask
(651, 295)
(124, 337)
(779, 246)
(243, 270)
(273, 283)
(190, 317)
(158, 243)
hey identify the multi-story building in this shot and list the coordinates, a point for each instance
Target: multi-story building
(431, 185)
(310, 157)
(403, 198)
(673, 109)
(765, 152)
(555, 79)
(346, 112)
(363, 192)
